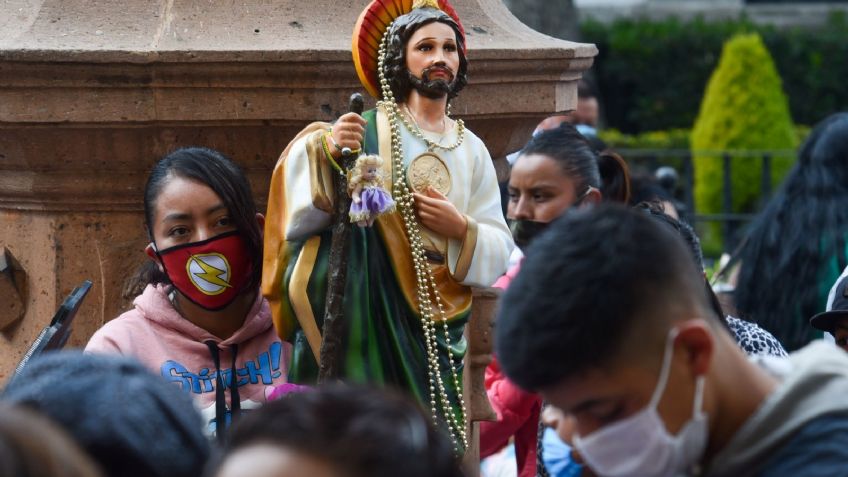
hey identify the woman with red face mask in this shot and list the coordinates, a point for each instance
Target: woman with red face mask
(200, 321)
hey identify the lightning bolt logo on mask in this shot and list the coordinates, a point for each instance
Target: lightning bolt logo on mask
(210, 273)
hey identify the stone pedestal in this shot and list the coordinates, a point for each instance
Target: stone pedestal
(481, 344)
(92, 92)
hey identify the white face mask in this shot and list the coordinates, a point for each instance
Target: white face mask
(641, 445)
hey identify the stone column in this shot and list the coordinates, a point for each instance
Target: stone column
(92, 92)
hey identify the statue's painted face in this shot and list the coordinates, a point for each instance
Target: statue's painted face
(432, 59)
(417, 40)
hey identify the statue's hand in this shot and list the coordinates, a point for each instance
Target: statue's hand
(439, 214)
(348, 131)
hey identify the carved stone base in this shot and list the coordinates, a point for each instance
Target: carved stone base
(480, 338)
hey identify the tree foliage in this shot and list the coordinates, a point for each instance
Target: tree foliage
(743, 109)
(651, 73)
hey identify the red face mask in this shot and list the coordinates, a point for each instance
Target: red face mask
(210, 273)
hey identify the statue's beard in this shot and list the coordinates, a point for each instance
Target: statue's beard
(435, 88)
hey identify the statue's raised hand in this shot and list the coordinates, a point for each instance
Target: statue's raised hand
(349, 132)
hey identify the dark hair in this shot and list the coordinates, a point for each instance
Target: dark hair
(598, 277)
(644, 187)
(798, 235)
(615, 176)
(399, 34)
(226, 179)
(656, 211)
(361, 431)
(585, 90)
(130, 421)
(606, 172)
(597, 144)
(32, 446)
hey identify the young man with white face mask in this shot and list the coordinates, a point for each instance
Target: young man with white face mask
(610, 322)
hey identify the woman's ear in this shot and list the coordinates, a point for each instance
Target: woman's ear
(150, 250)
(593, 197)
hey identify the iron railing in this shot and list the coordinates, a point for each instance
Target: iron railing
(681, 161)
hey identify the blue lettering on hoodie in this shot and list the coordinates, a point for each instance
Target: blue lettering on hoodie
(264, 368)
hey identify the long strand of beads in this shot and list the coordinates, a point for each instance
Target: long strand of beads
(426, 283)
(454, 374)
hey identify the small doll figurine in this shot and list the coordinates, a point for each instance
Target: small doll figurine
(366, 189)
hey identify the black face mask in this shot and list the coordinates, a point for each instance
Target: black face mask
(524, 231)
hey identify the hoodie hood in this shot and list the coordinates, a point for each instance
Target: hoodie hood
(814, 384)
(153, 304)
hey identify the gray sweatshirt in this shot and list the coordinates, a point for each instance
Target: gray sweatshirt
(814, 384)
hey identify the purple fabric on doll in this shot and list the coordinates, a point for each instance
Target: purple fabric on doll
(369, 199)
(375, 201)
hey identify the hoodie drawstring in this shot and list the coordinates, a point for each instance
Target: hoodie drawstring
(220, 398)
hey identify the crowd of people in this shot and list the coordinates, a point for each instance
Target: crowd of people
(613, 356)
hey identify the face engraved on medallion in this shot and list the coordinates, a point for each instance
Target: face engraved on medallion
(426, 170)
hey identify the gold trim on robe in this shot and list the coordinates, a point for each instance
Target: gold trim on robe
(466, 250)
(300, 298)
(320, 173)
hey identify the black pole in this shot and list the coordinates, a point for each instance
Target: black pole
(766, 184)
(727, 205)
(334, 322)
(688, 189)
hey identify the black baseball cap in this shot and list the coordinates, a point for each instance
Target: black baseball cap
(827, 321)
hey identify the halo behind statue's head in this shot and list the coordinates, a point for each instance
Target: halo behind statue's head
(373, 23)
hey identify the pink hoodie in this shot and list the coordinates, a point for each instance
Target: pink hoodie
(165, 342)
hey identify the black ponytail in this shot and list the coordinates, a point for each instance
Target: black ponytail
(615, 177)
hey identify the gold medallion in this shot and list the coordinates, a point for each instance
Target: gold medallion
(428, 169)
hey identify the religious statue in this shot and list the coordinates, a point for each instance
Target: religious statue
(409, 277)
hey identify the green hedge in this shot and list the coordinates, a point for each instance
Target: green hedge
(637, 148)
(652, 74)
(669, 139)
(744, 109)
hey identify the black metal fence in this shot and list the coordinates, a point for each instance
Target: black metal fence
(651, 160)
